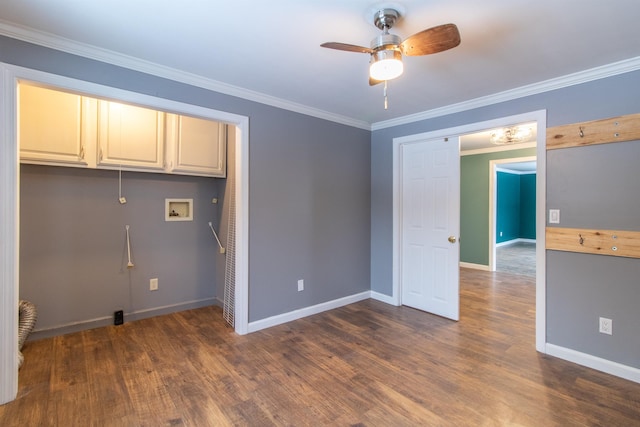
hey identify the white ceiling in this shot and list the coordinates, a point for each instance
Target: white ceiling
(271, 50)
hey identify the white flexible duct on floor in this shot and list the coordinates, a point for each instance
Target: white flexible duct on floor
(27, 320)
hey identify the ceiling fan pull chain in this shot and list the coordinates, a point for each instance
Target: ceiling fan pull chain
(386, 104)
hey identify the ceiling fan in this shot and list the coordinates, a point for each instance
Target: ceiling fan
(387, 49)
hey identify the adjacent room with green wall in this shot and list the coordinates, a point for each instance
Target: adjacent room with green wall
(474, 202)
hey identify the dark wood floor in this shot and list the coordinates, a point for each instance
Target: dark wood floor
(365, 364)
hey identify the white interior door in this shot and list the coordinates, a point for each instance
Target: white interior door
(430, 193)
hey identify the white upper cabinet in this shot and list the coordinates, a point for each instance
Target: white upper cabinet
(55, 126)
(130, 136)
(64, 129)
(199, 146)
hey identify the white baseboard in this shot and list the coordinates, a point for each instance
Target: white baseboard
(307, 311)
(474, 266)
(518, 240)
(384, 298)
(597, 363)
(99, 322)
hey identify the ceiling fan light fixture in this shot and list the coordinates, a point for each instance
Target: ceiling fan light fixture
(386, 65)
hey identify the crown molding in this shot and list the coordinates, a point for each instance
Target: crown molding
(616, 68)
(92, 52)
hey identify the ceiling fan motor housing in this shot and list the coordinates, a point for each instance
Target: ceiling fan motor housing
(384, 41)
(386, 57)
(384, 19)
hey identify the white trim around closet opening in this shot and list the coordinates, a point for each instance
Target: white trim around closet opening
(9, 241)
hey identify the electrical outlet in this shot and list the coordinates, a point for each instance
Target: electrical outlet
(153, 284)
(300, 285)
(606, 326)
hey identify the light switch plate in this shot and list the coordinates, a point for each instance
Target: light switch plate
(554, 216)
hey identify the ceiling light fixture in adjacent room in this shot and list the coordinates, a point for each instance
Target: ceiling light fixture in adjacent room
(511, 135)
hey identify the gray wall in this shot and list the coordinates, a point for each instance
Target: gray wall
(574, 300)
(73, 254)
(309, 186)
(310, 193)
(595, 187)
(309, 214)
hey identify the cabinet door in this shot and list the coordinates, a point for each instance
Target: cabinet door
(53, 126)
(130, 136)
(200, 147)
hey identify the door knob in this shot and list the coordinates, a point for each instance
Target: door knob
(452, 239)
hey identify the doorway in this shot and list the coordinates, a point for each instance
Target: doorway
(538, 117)
(512, 231)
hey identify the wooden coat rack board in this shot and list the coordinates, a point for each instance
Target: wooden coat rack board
(603, 242)
(622, 243)
(617, 129)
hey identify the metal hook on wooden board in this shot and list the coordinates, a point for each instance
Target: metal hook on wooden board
(581, 132)
(581, 241)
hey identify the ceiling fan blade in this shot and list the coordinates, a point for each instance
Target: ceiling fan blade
(373, 82)
(346, 47)
(432, 40)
